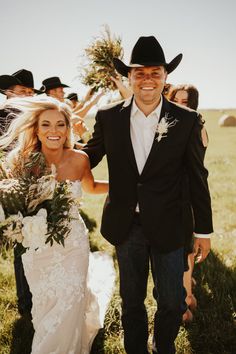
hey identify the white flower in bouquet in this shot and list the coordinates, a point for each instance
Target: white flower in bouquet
(14, 227)
(35, 229)
(7, 184)
(2, 214)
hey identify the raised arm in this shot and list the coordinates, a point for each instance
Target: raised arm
(124, 91)
(82, 112)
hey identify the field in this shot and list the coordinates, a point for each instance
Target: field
(213, 330)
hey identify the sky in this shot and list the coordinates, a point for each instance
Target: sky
(48, 37)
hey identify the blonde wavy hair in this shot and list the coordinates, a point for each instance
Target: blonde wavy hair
(22, 131)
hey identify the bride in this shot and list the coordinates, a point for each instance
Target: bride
(71, 287)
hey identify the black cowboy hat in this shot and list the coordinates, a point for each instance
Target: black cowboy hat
(21, 77)
(52, 83)
(72, 96)
(147, 52)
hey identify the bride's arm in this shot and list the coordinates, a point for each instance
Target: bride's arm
(90, 185)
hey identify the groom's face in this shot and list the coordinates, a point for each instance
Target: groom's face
(147, 83)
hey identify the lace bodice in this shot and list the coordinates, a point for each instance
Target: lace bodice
(76, 189)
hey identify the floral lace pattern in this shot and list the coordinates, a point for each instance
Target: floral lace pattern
(69, 301)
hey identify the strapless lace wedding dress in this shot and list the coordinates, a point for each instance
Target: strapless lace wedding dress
(71, 289)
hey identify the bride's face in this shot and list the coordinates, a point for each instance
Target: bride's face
(52, 129)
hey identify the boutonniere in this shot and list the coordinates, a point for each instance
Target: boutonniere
(163, 126)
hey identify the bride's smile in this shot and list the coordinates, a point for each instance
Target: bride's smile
(52, 129)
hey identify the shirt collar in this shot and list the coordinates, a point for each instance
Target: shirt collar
(157, 110)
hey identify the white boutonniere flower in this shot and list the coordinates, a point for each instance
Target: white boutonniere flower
(163, 126)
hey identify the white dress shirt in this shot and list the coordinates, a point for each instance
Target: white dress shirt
(142, 132)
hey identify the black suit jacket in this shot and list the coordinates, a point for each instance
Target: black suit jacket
(165, 213)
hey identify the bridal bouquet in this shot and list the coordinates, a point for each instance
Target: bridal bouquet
(98, 67)
(33, 210)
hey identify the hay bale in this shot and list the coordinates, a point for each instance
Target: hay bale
(227, 121)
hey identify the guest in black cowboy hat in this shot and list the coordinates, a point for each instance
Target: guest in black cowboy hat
(79, 127)
(73, 98)
(80, 110)
(151, 144)
(53, 87)
(82, 107)
(20, 84)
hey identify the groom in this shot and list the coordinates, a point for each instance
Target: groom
(150, 144)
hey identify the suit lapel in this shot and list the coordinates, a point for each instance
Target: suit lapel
(125, 112)
(156, 145)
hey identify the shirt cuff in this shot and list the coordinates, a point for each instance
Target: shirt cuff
(202, 235)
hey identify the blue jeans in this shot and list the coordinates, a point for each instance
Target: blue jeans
(134, 257)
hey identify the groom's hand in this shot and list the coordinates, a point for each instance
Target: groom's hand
(202, 247)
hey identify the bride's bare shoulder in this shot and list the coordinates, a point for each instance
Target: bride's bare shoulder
(77, 156)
